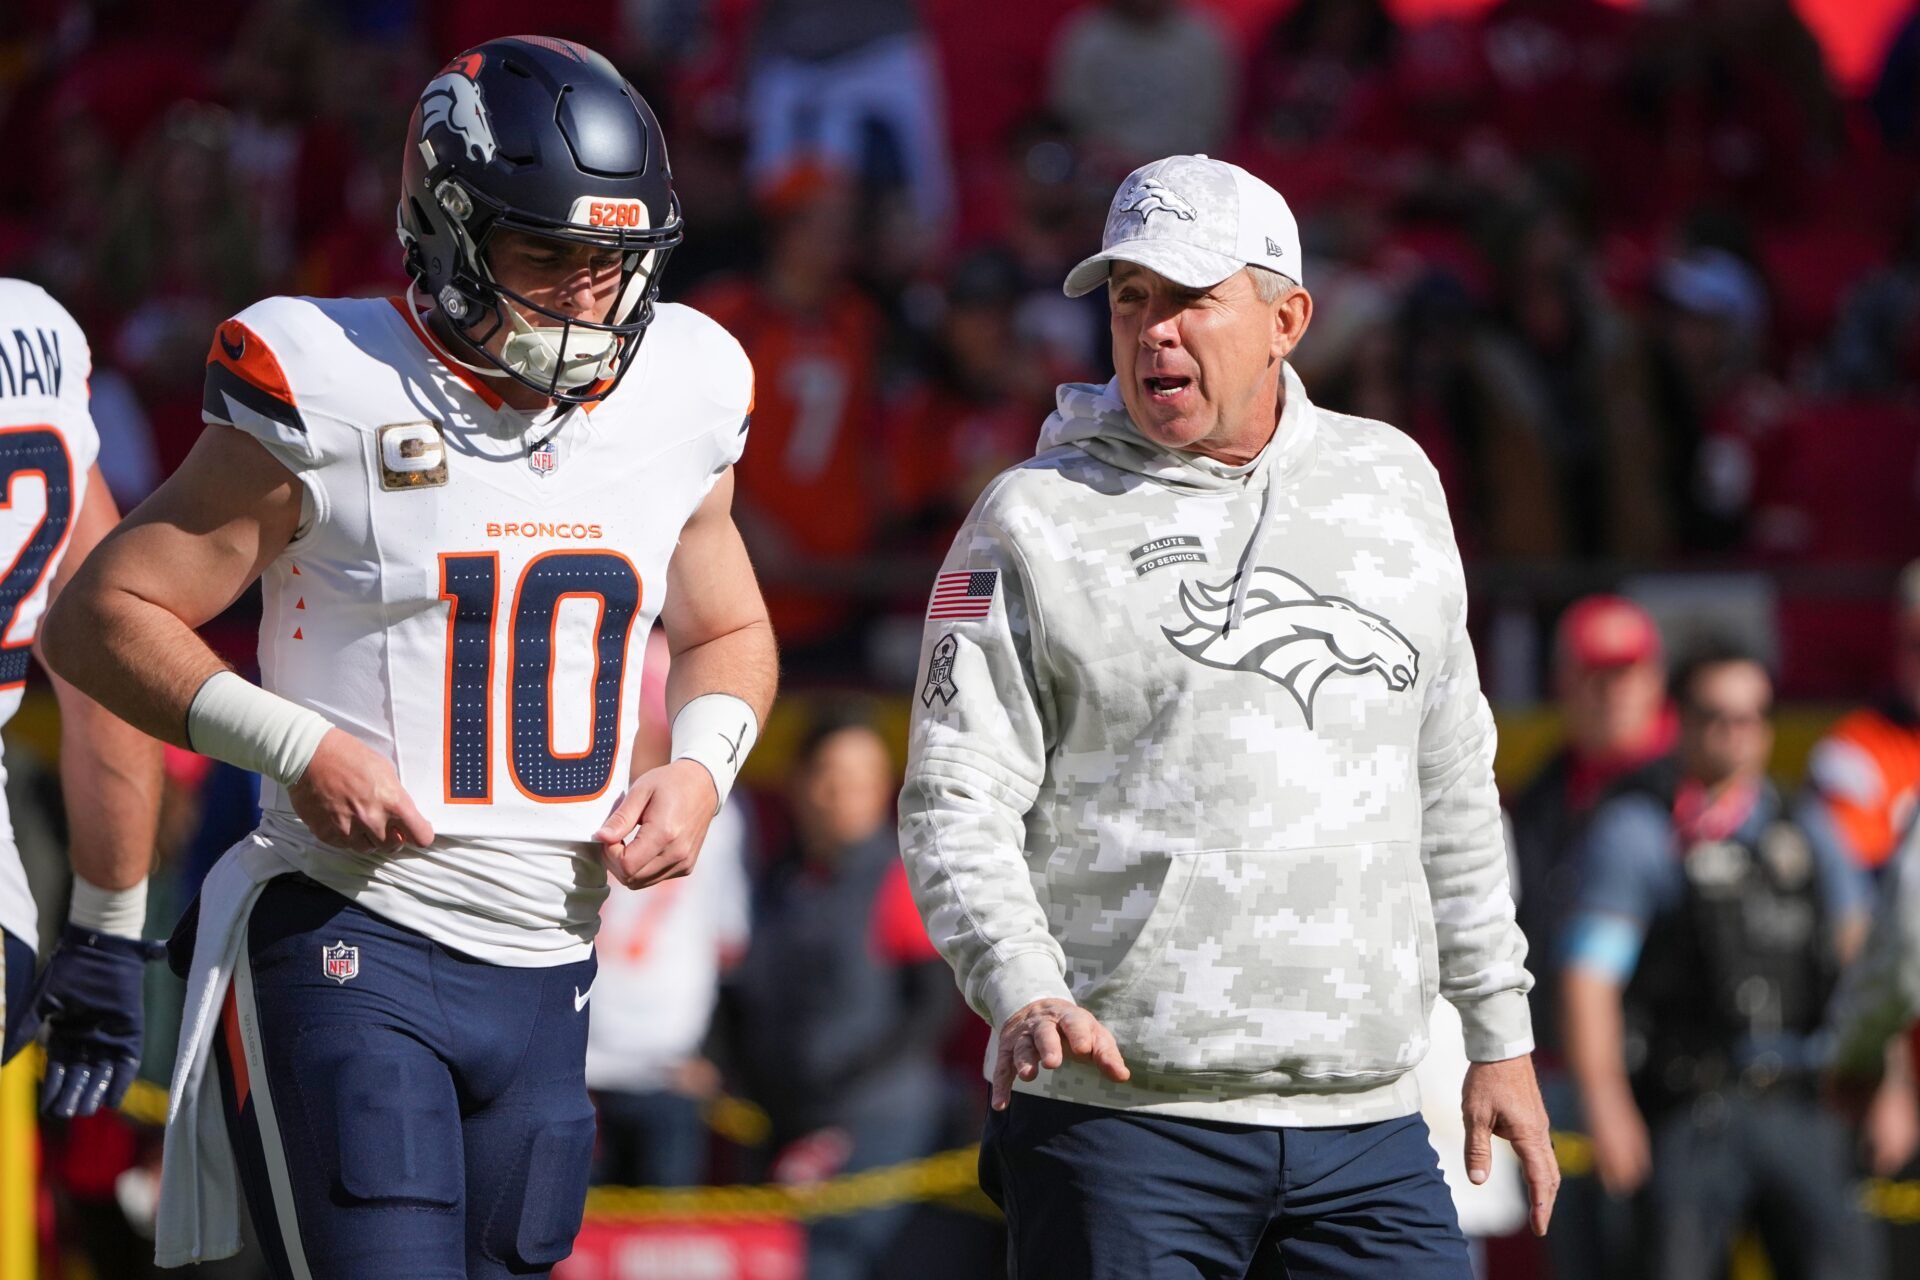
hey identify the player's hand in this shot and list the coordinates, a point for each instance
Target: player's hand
(88, 997)
(1045, 1034)
(656, 830)
(351, 798)
(1502, 1099)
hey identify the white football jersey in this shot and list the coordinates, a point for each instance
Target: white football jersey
(470, 593)
(47, 448)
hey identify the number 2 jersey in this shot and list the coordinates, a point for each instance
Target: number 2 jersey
(47, 449)
(469, 593)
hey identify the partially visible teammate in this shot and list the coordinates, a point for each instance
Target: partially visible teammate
(465, 523)
(54, 508)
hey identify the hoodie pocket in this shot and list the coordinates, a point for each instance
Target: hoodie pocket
(1293, 966)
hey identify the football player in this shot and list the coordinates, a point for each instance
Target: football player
(54, 509)
(466, 507)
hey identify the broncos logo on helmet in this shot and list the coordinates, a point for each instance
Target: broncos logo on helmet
(452, 100)
(1292, 635)
(1150, 196)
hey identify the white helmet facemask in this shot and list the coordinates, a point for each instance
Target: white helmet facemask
(581, 355)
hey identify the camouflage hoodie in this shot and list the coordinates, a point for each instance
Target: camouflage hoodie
(1203, 748)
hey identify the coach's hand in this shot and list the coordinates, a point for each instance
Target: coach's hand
(1502, 1099)
(351, 798)
(1045, 1034)
(656, 830)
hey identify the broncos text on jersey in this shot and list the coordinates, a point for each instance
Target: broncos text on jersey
(470, 592)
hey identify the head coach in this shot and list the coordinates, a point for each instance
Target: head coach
(1200, 801)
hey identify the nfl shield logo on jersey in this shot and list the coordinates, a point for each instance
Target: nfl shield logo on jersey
(340, 962)
(544, 458)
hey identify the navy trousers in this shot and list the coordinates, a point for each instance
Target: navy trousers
(1092, 1193)
(399, 1109)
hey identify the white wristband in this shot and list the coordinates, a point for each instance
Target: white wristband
(717, 730)
(121, 912)
(235, 720)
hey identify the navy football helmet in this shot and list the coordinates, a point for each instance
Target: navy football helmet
(545, 137)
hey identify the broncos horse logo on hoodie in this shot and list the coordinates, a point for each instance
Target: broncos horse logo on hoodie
(1291, 634)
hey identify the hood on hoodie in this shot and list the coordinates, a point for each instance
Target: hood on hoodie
(1095, 420)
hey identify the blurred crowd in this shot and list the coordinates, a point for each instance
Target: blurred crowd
(1643, 283)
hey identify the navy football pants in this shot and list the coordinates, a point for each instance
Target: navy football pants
(1099, 1194)
(17, 959)
(426, 1116)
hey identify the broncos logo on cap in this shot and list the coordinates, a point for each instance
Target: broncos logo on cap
(1292, 635)
(1150, 196)
(452, 100)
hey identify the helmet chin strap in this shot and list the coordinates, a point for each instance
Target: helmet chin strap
(532, 351)
(444, 353)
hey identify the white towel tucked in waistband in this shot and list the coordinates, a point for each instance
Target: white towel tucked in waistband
(199, 1213)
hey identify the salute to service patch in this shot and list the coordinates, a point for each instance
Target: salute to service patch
(1179, 548)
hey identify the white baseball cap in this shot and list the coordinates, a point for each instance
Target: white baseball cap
(1196, 221)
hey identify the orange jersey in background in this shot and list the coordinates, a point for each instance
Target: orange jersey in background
(811, 480)
(1867, 769)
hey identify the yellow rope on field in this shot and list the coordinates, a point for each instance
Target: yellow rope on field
(145, 1103)
(946, 1177)
(1573, 1152)
(949, 1177)
(1890, 1201)
(740, 1122)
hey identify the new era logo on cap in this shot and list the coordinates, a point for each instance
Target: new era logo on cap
(1219, 219)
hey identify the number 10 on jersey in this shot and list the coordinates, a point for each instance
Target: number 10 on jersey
(470, 584)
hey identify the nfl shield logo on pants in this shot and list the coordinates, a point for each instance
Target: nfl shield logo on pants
(340, 961)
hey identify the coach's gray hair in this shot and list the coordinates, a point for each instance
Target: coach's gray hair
(1269, 284)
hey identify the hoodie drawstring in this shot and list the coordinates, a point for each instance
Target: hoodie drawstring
(1250, 556)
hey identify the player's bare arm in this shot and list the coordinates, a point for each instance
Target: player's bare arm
(87, 1001)
(723, 656)
(1596, 1052)
(109, 770)
(124, 630)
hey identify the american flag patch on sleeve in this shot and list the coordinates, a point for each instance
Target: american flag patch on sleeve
(962, 595)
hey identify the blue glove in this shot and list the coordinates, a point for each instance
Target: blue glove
(90, 999)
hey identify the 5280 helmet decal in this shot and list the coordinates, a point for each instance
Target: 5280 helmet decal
(537, 137)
